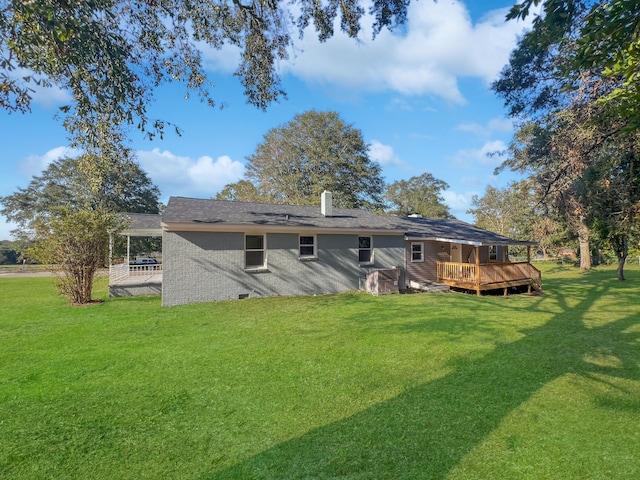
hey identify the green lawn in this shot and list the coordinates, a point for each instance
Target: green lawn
(428, 386)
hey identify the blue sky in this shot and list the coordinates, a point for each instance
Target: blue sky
(420, 96)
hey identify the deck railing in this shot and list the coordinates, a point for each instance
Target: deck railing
(470, 275)
(145, 269)
(118, 272)
(123, 271)
(459, 272)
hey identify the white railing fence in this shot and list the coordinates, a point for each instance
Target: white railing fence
(135, 270)
(123, 271)
(118, 272)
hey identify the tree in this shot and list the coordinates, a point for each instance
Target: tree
(554, 153)
(315, 151)
(604, 37)
(117, 185)
(9, 252)
(549, 232)
(112, 54)
(240, 191)
(75, 242)
(421, 195)
(568, 110)
(613, 183)
(509, 211)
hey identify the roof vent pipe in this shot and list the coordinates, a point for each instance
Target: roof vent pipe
(326, 204)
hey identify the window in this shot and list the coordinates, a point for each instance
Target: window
(307, 246)
(417, 252)
(493, 253)
(254, 251)
(364, 250)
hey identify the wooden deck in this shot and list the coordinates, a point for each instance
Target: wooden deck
(489, 276)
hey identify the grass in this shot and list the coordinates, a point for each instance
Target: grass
(349, 386)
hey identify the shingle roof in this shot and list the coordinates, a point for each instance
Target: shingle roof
(143, 224)
(182, 210)
(191, 210)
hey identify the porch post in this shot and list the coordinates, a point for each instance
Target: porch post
(477, 271)
(528, 253)
(128, 249)
(110, 251)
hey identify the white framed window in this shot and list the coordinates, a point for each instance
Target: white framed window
(365, 250)
(254, 251)
(493, 253)
(307, 246)
(417, 252)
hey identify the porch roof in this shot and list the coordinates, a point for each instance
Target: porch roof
(457, 231)
(143, 225)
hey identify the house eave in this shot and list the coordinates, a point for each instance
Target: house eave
(142, 232)
(443, 240)
(507, 242)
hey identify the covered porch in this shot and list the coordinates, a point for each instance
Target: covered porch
(127, 279)
(463, 256)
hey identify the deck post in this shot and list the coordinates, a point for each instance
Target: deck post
(477, 271)
(528, 253)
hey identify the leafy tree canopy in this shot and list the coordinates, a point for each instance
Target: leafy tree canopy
(508, 211)
(591, 38)
(86, 182)
(421, 195)
(315, 151)
(573, 84)
(240, 191)
(111, 54)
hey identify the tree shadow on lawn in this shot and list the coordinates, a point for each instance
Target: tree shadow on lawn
(426, 431)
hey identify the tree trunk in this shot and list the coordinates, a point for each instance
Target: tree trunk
(620, 271)
(622, 251)
(585, 254)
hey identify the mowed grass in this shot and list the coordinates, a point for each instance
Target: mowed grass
(351, 386)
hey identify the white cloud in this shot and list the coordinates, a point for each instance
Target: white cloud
(48, 97)
(438, 45)
(487, 155)
(225, 59)
(475, 128)
(185, 176)
(36, 164)
(460, 202)
(494, 125)
(383, 154)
